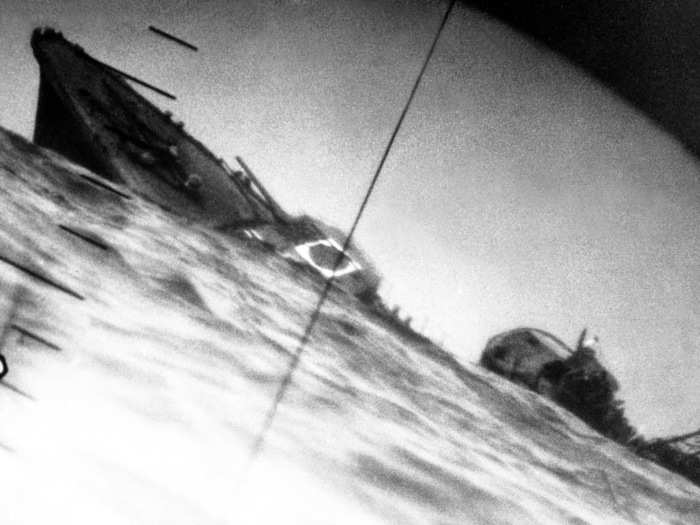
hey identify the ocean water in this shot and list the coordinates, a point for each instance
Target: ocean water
(140, 376)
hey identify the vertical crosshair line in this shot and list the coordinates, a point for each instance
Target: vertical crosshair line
(259, 442)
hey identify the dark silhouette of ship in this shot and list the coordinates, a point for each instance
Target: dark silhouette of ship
(88, 111)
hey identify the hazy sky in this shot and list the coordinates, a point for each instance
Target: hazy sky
(520, 191)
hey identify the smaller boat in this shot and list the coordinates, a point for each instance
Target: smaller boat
(538, 360)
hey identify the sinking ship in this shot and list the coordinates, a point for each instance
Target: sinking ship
(88, 111)
(139, 355)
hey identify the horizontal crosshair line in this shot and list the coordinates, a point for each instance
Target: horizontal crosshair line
(167, 35)
(104, 186)
(38, 338)
(16, 390)
(42, 278)
(135, 79)
(85, 238)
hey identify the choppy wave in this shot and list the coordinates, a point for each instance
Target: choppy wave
(164, 372)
